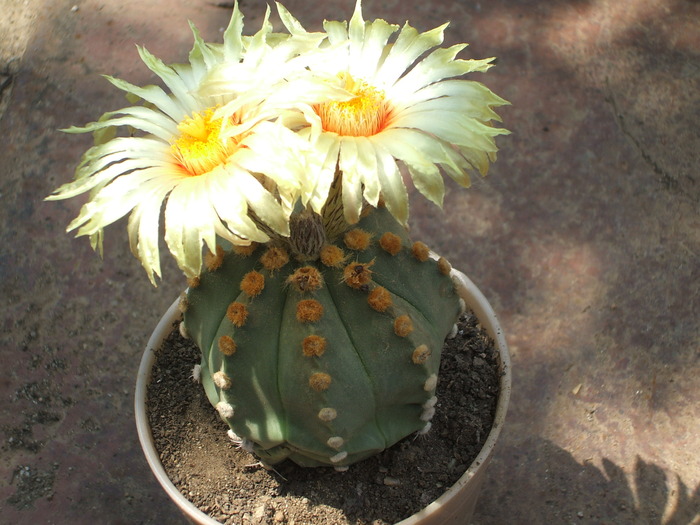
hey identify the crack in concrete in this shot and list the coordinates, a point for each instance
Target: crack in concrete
(7, 77)
(669, 181)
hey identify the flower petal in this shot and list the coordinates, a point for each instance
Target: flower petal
(231, 207)
(138, 122)
(393, 188)
(153, 94)
(170, 78)
(322, 161)
(337, 32)
(454, 128)
(352, 186)
(366, 167)
(403, 145)
(143, 230)
(409, 45)
(438, 65)
(201, 57)
(233, 42)
(373, 49)
(115, 200)
(471, 98)
(188, 221)
(290, 23)
(95, 179)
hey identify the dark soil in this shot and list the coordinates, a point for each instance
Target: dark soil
(231, 486)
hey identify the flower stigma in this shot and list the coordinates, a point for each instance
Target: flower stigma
(200, 147)
(363, 115)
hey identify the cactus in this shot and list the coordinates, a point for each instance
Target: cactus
(323, 358)
(321, 345)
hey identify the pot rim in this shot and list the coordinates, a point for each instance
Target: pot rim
(473, 298)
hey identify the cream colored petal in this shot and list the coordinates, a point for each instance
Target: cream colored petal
(278, 153)
(428, 181)
(148, 252)
(148, 117)
(263, 203)
(478, 159)
(473, 98)
(133, 231)
(137, 180)
(206, 216)
(144, 232)
(305, 118)
(304, 89)
(155, 95)
(409, 45)
(229, 78)
(467, 108)
(257, 45)
(95, 179)
(282, 58)
(188, 222)
(289, 22)
(151, 151)
(89, 179)
(201, 57)
(454, 164)
(327, 147)
(96, 242)
(231, 206)
(372, 51)
(356, 33)
(116, 199)
(191, 79)
(233, 43)
(438, 65)
(393, 188)
(403, 145)
(445, 155)
(170, 78)
(455, 129)
(352, 184)
(259, 199)
(337, 32)
(136, 122)
(136, 146)
(322, 161)
(366, 167)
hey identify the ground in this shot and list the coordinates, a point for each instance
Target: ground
(585, 237)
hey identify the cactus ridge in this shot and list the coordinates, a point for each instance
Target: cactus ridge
(335, 361)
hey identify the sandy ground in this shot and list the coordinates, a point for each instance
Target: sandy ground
(585, 237)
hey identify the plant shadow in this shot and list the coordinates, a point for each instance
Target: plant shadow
(543, 483)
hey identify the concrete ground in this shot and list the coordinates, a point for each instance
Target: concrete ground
(585, 236)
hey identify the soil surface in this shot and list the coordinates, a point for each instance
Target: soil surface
(231, 486)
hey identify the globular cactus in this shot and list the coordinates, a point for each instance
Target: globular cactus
(329, 356)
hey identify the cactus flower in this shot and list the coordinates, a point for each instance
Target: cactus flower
(235, 177)
(404, 104)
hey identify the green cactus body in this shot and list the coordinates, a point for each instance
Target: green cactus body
(324, 363)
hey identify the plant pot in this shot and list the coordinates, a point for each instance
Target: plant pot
(456, 505)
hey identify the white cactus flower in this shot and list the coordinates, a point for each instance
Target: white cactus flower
(255, 126)
(235, 177)
(404, 103)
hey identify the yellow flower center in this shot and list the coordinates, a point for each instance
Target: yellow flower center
(362, 116)
(200, 148)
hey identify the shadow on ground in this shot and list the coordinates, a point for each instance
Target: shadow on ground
(545, 484)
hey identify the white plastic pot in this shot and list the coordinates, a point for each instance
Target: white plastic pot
(455, 506)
